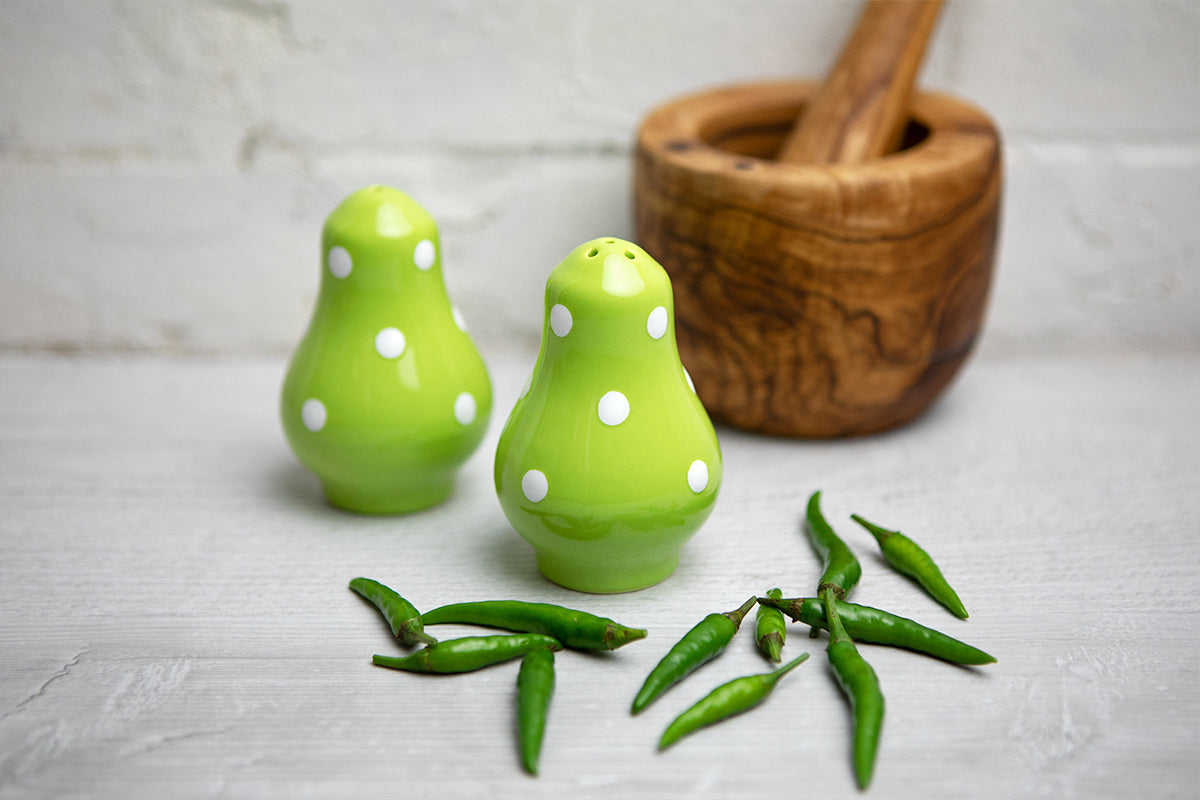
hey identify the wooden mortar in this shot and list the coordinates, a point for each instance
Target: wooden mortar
(822, 299)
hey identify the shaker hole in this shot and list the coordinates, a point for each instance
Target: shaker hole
(593, 253)
(629, 254)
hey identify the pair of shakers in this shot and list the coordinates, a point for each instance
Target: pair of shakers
(608, 463)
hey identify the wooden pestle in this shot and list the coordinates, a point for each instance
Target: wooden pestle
(860, 111)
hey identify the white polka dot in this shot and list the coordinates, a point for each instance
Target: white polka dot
(459, 321)
(613, 408)
(464, 408)
(424, 255)
(390, 343)
(313, 414)
(698, 476)
(339, 261)
(688, 376)
(534, 486)
(560, 320)
(656, 323)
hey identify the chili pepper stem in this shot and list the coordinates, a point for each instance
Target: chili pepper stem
(786, 668)
(779, 603)
(881, 534)
(837, 633)
(422, 637)
(771, 646)
(736, 616)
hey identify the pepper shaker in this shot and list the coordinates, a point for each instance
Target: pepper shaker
(608, 463)
(386, 395)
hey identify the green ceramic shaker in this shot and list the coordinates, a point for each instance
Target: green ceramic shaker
(608, 463)
(386, 395)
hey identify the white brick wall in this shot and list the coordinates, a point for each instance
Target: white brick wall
(165, 165)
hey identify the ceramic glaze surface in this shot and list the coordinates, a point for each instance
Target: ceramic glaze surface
(608, 463)
(386, 395)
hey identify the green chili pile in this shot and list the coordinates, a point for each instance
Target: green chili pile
(849, 623)
(536, 631)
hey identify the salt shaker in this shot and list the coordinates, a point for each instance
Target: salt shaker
(608, 463)
(386, 395)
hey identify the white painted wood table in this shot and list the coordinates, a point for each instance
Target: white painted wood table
(175, 622)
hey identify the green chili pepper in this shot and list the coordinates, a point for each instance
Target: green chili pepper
(535, 685)
(861, 686)
(842, 569)
(469, 653)
(577, 630)
(701, 644)
(728, 699)
(874, 626)
(405, 621)
(770, 629)
(908, 557)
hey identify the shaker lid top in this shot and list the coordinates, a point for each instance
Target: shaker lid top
(377, 213)
(600, 274)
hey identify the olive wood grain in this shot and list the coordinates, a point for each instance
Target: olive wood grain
(811, 300)
(861, 109)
